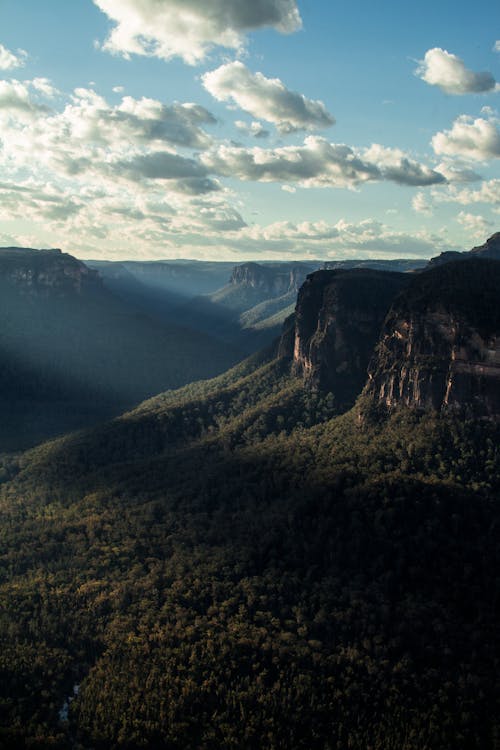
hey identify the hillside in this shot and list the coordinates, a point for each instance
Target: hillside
(72, 353)
(234, 565)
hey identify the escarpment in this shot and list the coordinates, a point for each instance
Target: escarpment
(440, 344)
(336, 326)
(274, 280)
(45, 272)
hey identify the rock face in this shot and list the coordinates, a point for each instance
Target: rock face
(336, 326)
(273, 281)
(45, 272)
(440, 343)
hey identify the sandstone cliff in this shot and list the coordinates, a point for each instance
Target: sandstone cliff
(336, 325)
(440, 343)
(45, 272)
(273, 281)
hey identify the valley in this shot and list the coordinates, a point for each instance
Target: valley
(299, 553)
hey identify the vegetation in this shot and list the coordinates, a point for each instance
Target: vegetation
(234, 566)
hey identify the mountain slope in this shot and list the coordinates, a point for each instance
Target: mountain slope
(72, 353)
(233, 566)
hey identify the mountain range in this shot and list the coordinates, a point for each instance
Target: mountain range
(301, 553)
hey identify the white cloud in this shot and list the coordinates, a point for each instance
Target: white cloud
(443, 69)
(190, 28)
(255, 129)
(496, 46)
(477, 140)
(10, 60)
(456, 173)
(266, 98)
(396, 166)
(344, 239)
(475, 224)
(421, 205)
(488, 193)
(318, 163)
(45, 87)
(16, 99)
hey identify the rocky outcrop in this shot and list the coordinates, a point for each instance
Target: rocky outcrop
(45, 272)
(336, 326)
(440, 343)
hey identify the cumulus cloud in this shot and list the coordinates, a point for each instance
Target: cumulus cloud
(496, 46)
(10, 60)
(88, 129)
(456, 173)
(488, 193)
(190, 28)
(255, 129)
(477, 140)
(266, 98)
(396, 166)
(344, 239)
(477, 225)
(16, 98)
(443, 69)
(318, 163)
(421, 205)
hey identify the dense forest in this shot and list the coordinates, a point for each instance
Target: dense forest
(236, 564)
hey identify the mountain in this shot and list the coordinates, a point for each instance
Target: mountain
(237, 565)
(336, 326)
(398, 265)
(244, 305)
(72, 353)
(250, 309)
(490, 249)
(440, 344)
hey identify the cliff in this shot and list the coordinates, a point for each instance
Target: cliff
(336, 326)
(273, 280)
(45, 272)
(440, 343)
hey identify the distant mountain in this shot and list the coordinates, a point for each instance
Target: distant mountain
(250, 309)
(398, 265)
(72, 353)
(237, 565)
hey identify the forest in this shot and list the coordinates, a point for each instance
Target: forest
(233, 565)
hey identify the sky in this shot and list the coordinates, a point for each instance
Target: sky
(249, 129)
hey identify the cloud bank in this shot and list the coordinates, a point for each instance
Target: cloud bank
(318, 163)
(448, 72)
(189, 29)
(266, 98)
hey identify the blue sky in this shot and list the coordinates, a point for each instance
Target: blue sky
(235, 129)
